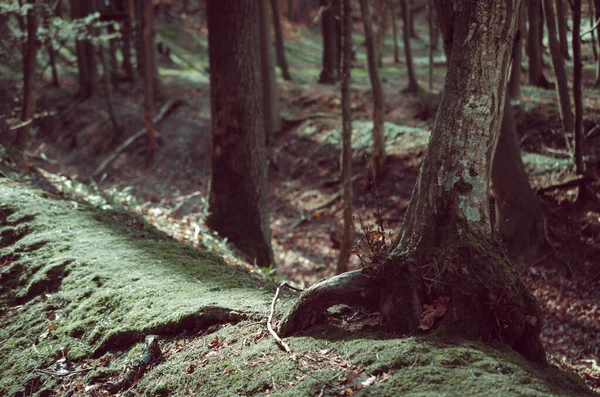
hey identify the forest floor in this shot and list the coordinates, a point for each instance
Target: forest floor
(169, 190)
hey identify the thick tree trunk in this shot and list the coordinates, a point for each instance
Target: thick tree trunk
(238, 189)
(330, 68)
(378, 100)
(514, 85)
(85, 53)
(393, 16)
(148, 73)
(561, 23)
(279, 46)
(270, 96)
(413, 85)
(535, 49)
(558, 64)
(346, 155)
(29, 79)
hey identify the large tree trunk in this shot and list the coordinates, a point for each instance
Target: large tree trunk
(514, 85)
(378, 100)
(29, 66)
(86, 63)
(413, 85)
(147, 43)
(279, 47)
(346, 155)
(238, 189)
(270, 96)
(535, 49)
(445, 257)
(329, 71)
(561, 23)
(558, 64)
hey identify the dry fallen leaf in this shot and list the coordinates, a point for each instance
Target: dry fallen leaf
(191, 368)
(52, 326)
(430, 312)
(215, 342)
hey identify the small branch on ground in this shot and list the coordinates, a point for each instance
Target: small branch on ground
(563, 185)
(280, 342)
(166, 109)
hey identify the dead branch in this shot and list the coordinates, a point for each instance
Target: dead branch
(567, 184)
(351, 288)
(164, 112)
(270, 327)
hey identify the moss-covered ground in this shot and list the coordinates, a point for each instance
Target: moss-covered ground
(81, 287)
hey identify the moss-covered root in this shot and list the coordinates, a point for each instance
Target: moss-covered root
(352, 288)
(488, 300)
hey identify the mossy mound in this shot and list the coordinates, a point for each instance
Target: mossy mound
(81, 288)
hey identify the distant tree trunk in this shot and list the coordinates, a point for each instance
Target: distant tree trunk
(413, 32)
(329, 71)
(535, 51)
(86, 63)
(597, 9)
(393, 16)
(430, 23)
(591, 12)
(445, 15)
(238, 188)
(346, 156)
(270, 96)
(413, 85)
(560, 74)
(112, 51)
(561, 22)
(279, 46)
(147, 42)
(125, 7)
(29, 79)
(514, 84)
(382, 27)
(578, 99)
(152, 56)
(110, 107)
(290, 11)
(378, 99)
(49, 47)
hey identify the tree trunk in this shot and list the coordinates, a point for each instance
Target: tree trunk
(578, 99)
(49, 47)
(238, 188)
(378, 100)
(329, 71)
(535, 50)
(152, 56)
(270, 97)
(413, 85)
(560, 74)
(125, 7)
(413, 32)
(514, 84)
(381, 29)
(110, 107)
(430, 23)
(148, 73)
(393, 17)
(85, 53)
(445, 15)
(591, 11)
(346, 155)
(445, 261)
(290, 11)
(597, 9)
(279, 47)
(561, 23)
(29, 79)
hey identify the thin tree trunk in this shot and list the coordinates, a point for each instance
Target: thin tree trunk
(29, 79)
(290, 10)
(128, 31)
(85, 53)
(413, 85)
(378, 99)
(270, 96)
(514, 84)
(445, 16)
(238, 189)
(279, 46)
(49, 47)
(591, 11)
(413, 32)
(578, 98)
(597, 12)
(393, 17)
(117, 129)
(346, 155)
(561, 23)
(560, 74)
(381, 29)
(148, 74)
(534, 45)
(329, 71)
(430, 23)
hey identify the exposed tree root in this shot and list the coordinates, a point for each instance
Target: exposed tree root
(352, 288)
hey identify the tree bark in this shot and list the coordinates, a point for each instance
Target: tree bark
(413, 85)
(125, 7)
(514, 84)
(382, 27)
(446, 16)
(270, 97)
(279, 46)
(346, 155)
(592, 15)
(238, 189)
(535, 51)
(561, 23)
(329, 71)
(117, 129)
(430, 23)
(597, 12)
(558, 64)
(29, 78)
(152, 57)
(147, 43)
(378, 99)
(393, 16)
(85, 53)
(578, 99)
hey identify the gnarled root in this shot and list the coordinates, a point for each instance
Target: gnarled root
(352, 288)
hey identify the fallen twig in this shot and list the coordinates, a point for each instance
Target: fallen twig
(570, 183)
(164, 111)
(279, 341)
